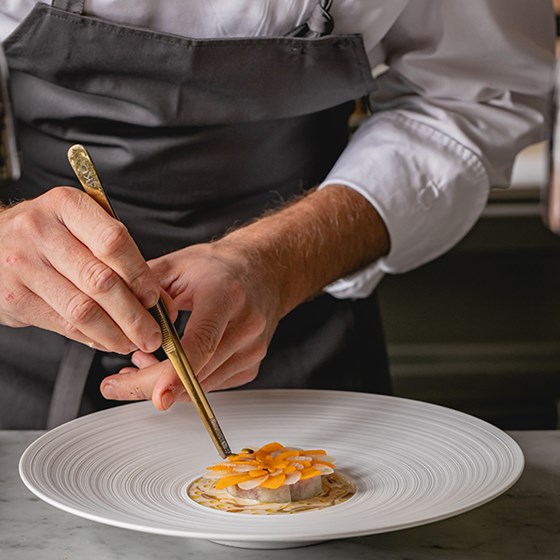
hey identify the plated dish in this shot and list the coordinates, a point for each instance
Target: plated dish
(411, 463)
(272, 480)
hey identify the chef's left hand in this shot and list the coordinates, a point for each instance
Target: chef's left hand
(239, 287)
(235, 309)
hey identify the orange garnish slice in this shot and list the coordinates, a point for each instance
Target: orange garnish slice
(273, 482)
(270, 447)
(230, 480)
(272, 462)
(309, 473)
(257, 472)
(286, 454)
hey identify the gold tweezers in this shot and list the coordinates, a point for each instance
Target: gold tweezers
(84, 169)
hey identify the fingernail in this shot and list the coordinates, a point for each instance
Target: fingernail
(150, 299)
(167, 399)
(154, 342)
(108, 391)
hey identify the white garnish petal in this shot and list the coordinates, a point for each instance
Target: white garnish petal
(244, 468)
(253, 483)
(292, 478)
(327, 458)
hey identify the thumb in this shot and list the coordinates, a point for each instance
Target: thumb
(203, 334)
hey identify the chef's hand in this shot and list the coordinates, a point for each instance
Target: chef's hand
(67, 266)
(239, 287)
(234, 312)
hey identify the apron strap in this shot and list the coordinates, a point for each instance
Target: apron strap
(75, 6)
(70, 382)
(319, 24)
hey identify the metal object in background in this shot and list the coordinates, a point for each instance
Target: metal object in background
(551, 192)
(9, 160)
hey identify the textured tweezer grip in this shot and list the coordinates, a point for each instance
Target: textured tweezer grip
(173, 349)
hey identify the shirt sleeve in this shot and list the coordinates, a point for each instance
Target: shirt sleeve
(468, 86)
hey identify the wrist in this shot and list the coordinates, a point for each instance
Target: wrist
(310, 243)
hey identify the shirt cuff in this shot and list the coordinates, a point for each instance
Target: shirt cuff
(428, 188)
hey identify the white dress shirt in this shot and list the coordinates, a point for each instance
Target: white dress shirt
(467, 88)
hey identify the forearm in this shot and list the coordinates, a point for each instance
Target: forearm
(447, 121)
(312, 242)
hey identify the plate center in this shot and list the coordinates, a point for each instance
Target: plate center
(338, 488)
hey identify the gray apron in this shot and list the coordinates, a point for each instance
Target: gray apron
(191, 137)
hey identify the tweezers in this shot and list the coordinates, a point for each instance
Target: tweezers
(84, 169)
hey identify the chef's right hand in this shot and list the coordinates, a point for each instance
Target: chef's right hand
(67, 266)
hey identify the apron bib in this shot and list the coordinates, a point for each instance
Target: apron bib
(191, 137)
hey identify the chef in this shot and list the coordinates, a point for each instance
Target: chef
(220, 132)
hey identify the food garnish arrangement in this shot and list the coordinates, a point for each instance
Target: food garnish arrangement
(272, 479)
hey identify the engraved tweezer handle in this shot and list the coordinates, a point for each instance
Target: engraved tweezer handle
(87, 175)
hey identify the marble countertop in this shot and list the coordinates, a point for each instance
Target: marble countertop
(523, 523)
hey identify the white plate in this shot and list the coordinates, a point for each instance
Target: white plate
(412, 463)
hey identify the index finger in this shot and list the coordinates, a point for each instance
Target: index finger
(205, 329)
(109, 240)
